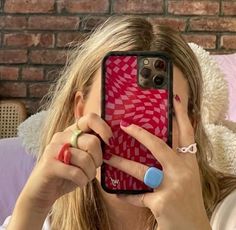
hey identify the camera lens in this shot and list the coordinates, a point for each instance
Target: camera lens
(159, 65)
(158, 80)
(146, 72)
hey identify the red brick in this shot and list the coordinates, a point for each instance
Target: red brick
(176, 23)
(229, 8)
(206, 41)
(193, 7)
(28, 40)
(228, 42)
(32, 74)
(66, 39)
(29, 6)
(90, 23)
(54, 22)
(138, 6)
(17, 40)
(213, 24)
(9, 73)
(84, 6)
(13, 56)
(13, 22)
(10, 89)
(38, 90)
(47, 56)
(46, 40)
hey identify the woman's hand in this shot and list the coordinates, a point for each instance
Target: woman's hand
(177, 203)
(51, 178)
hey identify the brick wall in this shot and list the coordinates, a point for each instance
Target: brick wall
(35, 34)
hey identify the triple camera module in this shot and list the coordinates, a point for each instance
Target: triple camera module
(152, 72)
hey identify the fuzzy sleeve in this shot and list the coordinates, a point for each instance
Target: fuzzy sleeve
(224, 216)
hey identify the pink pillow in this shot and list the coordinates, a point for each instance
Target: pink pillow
(227, 64)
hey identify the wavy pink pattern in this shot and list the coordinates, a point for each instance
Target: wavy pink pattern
(146, 108)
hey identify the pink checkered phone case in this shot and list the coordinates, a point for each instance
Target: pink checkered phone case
(136, 87)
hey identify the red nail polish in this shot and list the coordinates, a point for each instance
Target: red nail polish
(124, 123)
(177, 98)
(111, 142)
(107, 156)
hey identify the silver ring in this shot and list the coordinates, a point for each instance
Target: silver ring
(188, 149)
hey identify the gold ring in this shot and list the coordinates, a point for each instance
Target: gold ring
(74, 137)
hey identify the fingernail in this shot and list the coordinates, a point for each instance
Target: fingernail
(107, 156)
(177, 98)
(124, 123)
(111, 142)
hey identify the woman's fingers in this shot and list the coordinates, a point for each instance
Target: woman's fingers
(161, 151)
(86, 142)
(91, 144)
(84, 161)
(79, 159)
(138, 171)
(92, 122)
(70, 173)
(185, 132)
(130, 167)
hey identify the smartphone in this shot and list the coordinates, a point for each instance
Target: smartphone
(136, 87)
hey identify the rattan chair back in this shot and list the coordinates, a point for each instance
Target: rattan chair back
(12, 113)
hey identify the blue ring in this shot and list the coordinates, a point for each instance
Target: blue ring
(153, 177)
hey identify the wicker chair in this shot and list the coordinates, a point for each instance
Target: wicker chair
(12, 113)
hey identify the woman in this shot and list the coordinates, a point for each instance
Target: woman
(70, 195)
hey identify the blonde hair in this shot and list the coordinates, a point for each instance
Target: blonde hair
(84, 208)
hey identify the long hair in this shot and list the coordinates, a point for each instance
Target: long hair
(84, 208)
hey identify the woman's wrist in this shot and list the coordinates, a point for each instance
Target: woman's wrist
(26, 214)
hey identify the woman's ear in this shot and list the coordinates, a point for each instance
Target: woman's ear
(78, 104)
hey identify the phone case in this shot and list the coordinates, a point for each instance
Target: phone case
(124, 98)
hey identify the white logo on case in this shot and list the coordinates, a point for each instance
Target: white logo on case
(114, 181)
